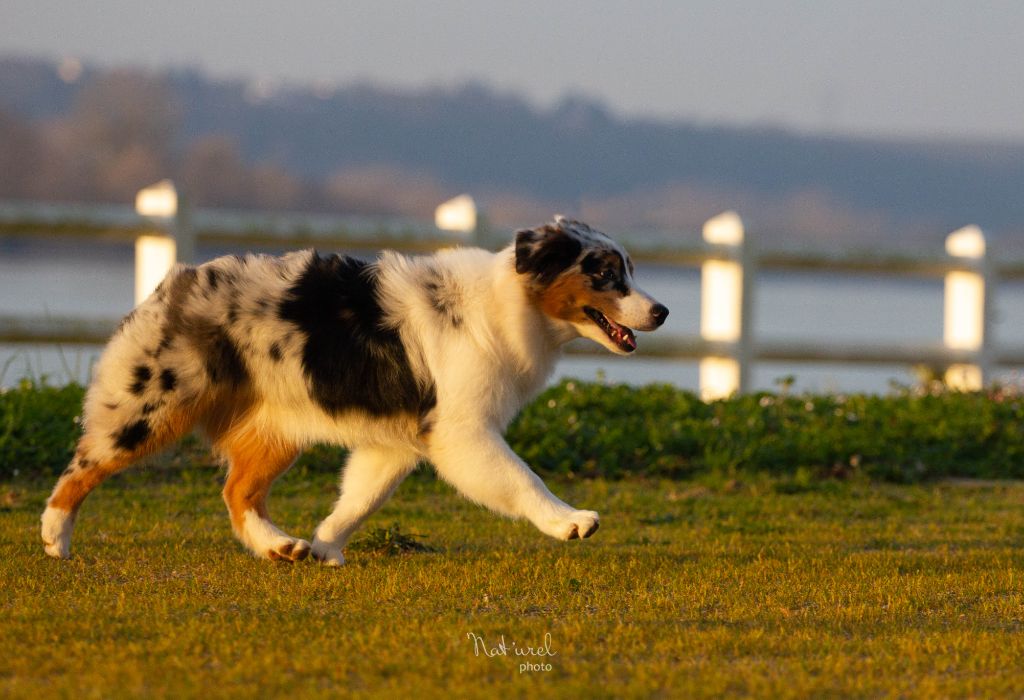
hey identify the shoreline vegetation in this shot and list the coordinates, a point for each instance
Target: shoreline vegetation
(586, 429)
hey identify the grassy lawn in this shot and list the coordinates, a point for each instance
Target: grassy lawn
(695, 589)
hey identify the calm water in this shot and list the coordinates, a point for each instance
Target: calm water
(76, 280)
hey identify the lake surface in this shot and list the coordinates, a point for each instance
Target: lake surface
(96, 281)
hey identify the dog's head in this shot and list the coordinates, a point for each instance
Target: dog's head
(579, 276)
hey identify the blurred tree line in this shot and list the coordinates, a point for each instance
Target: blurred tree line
(125, 131)
(365, 149)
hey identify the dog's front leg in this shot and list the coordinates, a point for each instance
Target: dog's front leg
(370, 477)
(480, 464)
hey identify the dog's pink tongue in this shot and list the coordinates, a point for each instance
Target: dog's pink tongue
(623, 336)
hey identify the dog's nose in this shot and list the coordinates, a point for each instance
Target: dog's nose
(659, 312)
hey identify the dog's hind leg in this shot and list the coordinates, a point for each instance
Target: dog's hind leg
(254, 462)
(371, 475)
(99, 454)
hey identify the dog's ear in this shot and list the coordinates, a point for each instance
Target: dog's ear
(546, 252)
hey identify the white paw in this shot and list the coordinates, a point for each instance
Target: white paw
(327, 554)
(288, 549)
(582, 524)
(573, 524)
(56, 532)
(58, 550)
(268, 542)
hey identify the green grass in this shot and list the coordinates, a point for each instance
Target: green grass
(772, 588)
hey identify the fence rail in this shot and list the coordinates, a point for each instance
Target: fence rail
(728, 265)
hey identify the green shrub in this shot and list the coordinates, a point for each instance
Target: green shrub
(591, 429)
(38, 427)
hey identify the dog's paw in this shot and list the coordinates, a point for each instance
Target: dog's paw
(575, 525)
(584, 524)
(287, 550)
(57, 550)
(327, 554)
(264, 540)
(56, 532)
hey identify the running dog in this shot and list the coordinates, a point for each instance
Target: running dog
(400, 360)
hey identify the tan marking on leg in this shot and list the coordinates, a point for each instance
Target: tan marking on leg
(72, 488)
(255, 461)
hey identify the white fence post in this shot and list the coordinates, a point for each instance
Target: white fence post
(966, 318)
(155, 254)
(725, 306)
(458, 215)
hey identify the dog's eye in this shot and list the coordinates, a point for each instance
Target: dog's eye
(607, 274)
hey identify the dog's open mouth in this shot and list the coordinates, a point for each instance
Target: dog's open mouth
(620, 335)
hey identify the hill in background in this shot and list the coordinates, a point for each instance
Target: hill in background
(101, 135)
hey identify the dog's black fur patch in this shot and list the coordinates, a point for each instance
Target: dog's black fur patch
(141, 376)
(180, 289)
(607, 271)
(441, 300)
(351, 360)
(168, 380)
(132, 435)
(224, 363)
(546, 253)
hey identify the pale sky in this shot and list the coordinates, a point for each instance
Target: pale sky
(917, 68)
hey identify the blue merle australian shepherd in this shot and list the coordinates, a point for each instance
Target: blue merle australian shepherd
(400, 360)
